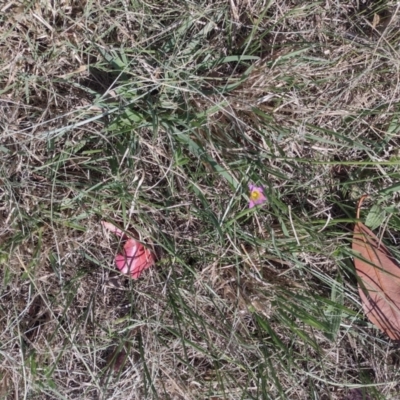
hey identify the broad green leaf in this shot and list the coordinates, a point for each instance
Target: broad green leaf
(375, 217)
(391, 189)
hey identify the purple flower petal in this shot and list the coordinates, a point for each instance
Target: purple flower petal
(256, 195)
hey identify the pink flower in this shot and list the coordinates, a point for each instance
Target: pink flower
(256, 195)
(135, 259)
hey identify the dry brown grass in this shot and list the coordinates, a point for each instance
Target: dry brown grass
(128, 111)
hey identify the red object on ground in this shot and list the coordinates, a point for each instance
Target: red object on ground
(135, 259)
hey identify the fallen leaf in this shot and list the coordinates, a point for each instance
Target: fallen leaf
(117, 359)
(357, 394)
(375, 20)
(135, 258)
(379, 279)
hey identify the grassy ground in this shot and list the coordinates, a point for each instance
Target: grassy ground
(156, 116)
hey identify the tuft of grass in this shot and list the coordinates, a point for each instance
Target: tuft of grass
(156, 116)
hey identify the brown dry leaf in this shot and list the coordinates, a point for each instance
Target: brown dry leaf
(379, 279)
(376, 20)
(117, 359)
(357, 394)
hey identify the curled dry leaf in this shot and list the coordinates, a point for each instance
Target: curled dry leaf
(379, 279)
(135, 258)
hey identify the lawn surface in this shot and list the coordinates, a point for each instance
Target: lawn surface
(156, 116)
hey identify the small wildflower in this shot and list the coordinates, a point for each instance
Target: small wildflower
(256, 196)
